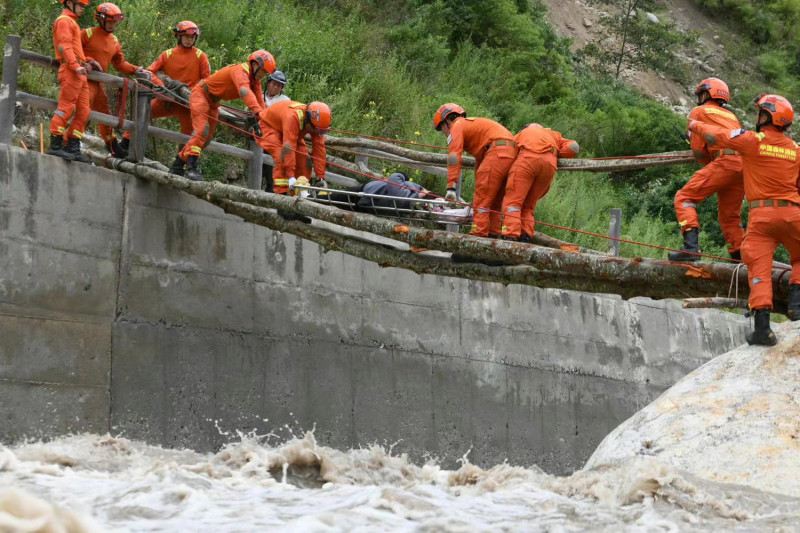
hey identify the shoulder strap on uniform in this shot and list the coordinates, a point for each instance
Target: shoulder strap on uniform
(760, 136)
(199, 53)
(115, 38)
(246, 68)
(88, 33)
(68, 18)
(168, 52)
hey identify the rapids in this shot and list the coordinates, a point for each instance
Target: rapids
(91, 483)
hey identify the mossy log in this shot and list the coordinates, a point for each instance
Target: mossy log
(524, 264)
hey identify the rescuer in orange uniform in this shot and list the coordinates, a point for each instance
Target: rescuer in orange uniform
(721, 174)
(73, 96)
(242, 80)
(494, 150)
(771, 168)
(530, 177)
(101, 45)
(284, 126)
(185, 64)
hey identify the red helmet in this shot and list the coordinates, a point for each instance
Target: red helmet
(264, 60)
(778, 108)
(318, 114)
(107, 12)
(186, 27)
(717, 89)
(444, 111)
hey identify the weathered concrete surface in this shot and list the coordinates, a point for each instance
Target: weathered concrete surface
(735, 419)
(183, 319)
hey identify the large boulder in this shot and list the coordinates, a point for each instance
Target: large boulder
(735, 419)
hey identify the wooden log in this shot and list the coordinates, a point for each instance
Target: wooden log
(714, 303)
(523, 263)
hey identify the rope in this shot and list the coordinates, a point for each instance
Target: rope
(735, 276)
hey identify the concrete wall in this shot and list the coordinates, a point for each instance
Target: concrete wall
(134, 309)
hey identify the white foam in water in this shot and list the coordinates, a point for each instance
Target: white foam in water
(100, 483)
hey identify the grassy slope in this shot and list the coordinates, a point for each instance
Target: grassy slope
(386, 66)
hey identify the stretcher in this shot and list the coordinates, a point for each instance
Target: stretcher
(407, 210)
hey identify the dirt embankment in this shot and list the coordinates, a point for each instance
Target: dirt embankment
(580, 21)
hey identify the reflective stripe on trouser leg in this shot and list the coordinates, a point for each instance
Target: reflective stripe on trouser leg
(72, 94)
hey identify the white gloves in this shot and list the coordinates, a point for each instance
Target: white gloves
(292, 181)
(451, 195)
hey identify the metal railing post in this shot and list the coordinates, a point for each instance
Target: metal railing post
(8, 90)
(615, 231)
(254, 166)
(139, 135)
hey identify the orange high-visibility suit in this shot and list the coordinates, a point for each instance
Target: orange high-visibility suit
(494, 150)
(721, 174)
(104, 48)
(229, 83)
(73, 97)
(771, 167)
(186, 65)
(531, 175)
(282, 137)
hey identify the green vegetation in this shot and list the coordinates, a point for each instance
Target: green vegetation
(384, 66)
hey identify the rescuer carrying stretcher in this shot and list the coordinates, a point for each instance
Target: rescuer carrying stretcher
(238, 81)
(721, 175)
(102, 46)
(494, 150)
(530, 177)
(284, 126)
(770, 167)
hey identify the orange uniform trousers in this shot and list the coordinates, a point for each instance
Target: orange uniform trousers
(271, 140)
(73, 98)
(722, 176)
(162, 108)
(490, 187)
(98, 101)
(529, 180)
(767, 227)
(205, 114)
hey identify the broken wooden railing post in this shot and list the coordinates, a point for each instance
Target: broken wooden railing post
(615, 231)
(254, 166)
(8, 90)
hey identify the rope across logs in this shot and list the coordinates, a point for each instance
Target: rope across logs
(519, 263)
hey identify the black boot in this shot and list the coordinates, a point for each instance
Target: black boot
(762, 335)
(74, 147)
(125, 144)
(737, 255)
(525, 238)
(116, 150)
(191, 169)
(690, 244)
(58, 149)
(178, 166)
(794, 302)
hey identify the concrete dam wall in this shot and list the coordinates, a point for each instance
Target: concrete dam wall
(138, 310)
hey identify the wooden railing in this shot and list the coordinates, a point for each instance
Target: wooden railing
(139, 126)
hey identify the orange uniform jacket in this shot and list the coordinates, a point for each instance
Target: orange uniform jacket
(186, 65)
(233, 82)
(67, 40)
(104, 48)
(287, 118)
(472, 135)
(714, 114)
(543, 141)
(770, 160)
